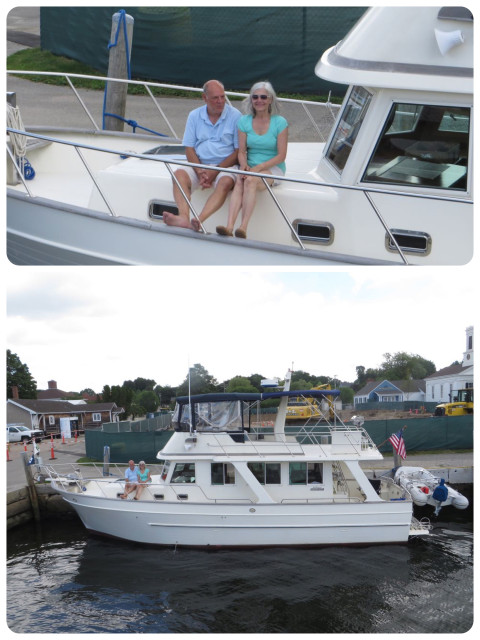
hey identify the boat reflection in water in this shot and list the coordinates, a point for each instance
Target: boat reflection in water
(228, 483)
(85, 584)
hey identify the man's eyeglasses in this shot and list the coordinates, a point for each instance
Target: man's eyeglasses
(262, 97)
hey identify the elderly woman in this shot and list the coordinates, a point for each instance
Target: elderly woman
(143, 477)
(263, 140)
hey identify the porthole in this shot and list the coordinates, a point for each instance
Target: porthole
(156, 209)
(416, 242)
(312, 231)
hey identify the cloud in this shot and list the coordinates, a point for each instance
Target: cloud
(91, 327)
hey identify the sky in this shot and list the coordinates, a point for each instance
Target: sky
(88, 327)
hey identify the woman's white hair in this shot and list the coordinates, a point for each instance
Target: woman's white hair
(247, 104)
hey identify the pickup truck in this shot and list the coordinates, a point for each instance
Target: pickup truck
(19, 433)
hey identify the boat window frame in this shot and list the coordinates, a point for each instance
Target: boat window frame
(309, 477)
(228, 471)
(263, 476)
(344, 130)
(187, 479)
(439, 157)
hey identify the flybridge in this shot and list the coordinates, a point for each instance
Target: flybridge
(227, 411)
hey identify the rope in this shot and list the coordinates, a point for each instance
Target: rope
(19, 142)
(122, 24)
(134, 124)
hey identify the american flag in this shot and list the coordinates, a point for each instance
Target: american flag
(398, 443)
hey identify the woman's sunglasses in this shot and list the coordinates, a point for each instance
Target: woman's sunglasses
(257, 97)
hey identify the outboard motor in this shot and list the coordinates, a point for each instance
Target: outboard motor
(440, 494)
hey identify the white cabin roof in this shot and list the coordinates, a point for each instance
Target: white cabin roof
(417, 48)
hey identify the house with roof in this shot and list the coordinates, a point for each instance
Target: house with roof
(391, 391)
(47, 414)
(442, 385)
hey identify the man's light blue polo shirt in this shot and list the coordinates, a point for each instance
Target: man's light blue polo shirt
(212, 142)
(131, 476)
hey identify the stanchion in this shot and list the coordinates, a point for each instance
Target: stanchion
(24, 445)
(8, 453)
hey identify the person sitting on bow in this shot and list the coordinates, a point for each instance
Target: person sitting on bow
(210, 138)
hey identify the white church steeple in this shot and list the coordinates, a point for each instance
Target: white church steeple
(468, 354)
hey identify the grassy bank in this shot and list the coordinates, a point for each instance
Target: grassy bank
(40, 60)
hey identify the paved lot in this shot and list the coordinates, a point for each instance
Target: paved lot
(68, 451)
(42, 104)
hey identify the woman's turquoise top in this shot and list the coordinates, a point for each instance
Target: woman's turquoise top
(264, 147)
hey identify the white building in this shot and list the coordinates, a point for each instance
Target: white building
(441, 386)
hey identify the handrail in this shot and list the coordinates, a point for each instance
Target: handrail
(147, 86)
(185, 163)
(167, 163)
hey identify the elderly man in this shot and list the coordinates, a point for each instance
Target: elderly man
(131, 479)
(211, 138)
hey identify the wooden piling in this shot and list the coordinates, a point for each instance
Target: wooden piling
(118, 64)
(31, 488)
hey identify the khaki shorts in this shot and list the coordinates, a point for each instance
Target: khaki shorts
(194, 178)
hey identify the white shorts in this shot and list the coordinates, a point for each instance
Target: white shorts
(194, 178)
(276, 171)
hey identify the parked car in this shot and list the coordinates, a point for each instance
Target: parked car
(19, 433)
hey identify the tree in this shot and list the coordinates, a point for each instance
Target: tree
(240, 384)
(403, 366)
(255, 381)
(140, 384)
(121, 396)
(165, 394)
(346, 395)
(148, 400)
(199, 381)
(18, 375)
(300, 384)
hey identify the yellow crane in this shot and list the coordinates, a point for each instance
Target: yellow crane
(304, 407)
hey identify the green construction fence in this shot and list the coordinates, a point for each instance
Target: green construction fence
(189, 45)
(421, 434)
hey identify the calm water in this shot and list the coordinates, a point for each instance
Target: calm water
(78, 583)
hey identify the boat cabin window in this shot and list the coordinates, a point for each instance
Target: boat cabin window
(222, 473)
(306, 473)
(184, 472)
(422, 145)
(266, 472)
(348, 126)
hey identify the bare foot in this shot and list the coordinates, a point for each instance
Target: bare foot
(175, 221)
(195, 224)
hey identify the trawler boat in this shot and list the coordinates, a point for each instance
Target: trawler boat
(392, 184)
(229, 482)
(425, 488)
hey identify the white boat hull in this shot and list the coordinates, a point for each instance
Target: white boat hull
(43, 232)
(200, 525)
